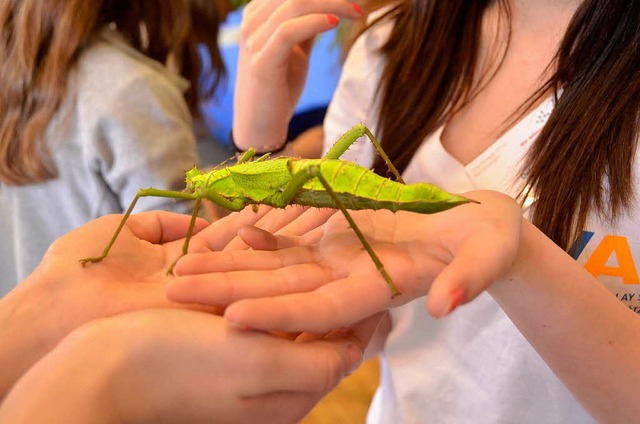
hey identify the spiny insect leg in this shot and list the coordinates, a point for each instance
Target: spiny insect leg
(192, 223)
(352, 223)
(145, 192)
(293, 187)
(350, 137)
(246, 156)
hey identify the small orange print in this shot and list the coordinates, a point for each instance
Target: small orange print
(609, 246)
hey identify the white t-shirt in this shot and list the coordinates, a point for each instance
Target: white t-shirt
(474, 366)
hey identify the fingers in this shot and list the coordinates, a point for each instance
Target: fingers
(314, 366)
(289, 228)
(311, 219)
(277, 48)
(337, 304)
(222, 289)
(481, 258)
(478, 262)
(259, 239)
(363, 331)
(271, 222)
(220, 233)
(160, 227)
(291, 22)
(236, 260)
(268, 408)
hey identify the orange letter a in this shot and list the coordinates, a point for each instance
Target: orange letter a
(597, 263)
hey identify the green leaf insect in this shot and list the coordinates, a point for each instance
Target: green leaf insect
(320, 183)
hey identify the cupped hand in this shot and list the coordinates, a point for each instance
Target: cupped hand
(324, 279)
(293, 220)
(182, 366)
(61, 294)
(132, 276)
(275, 46)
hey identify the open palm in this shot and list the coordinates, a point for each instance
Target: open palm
(324, 279)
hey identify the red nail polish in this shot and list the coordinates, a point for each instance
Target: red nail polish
(457, 296)
(357, 7)
(333, 19)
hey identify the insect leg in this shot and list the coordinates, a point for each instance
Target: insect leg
(187, 239)
(249, 154)
(246, 156)
(350, 137)
(293, 188)
(235, 205)
(145, 192)
(394, 290)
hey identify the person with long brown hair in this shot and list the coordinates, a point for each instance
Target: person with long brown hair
(96, 101)
(537, 101)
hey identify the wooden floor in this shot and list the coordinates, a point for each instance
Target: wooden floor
(348, 403)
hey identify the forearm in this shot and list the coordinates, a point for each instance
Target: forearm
(70, 384)
(25, 333)
(588, 337)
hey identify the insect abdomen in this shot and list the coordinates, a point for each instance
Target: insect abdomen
(360, 188)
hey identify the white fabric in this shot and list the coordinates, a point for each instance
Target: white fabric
(474, 366)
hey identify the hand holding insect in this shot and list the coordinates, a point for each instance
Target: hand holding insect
(59, 296)
(323, 280)
(320, 183)
(275, 45)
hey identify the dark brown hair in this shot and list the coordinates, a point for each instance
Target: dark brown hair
(40, 43)
(582, 162)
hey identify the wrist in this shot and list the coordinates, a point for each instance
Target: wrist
(27, 329)
(540, 265)
(273, 148)
(79, 365)
(518, 270)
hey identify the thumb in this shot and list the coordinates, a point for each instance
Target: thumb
(476, 265)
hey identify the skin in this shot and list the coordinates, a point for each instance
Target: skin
(556, 304)
(322, 280)
(57, 324)
(57, 298)
(273, 62)
(327, 270)
(174, 365)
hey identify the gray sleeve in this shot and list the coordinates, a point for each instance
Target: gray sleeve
(145, 139)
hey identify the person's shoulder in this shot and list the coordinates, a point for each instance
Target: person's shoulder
(110, 64)
(380, 23)
(364, 57)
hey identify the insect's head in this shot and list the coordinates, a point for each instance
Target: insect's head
(190, 177)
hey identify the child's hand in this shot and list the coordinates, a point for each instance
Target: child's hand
(324, 279)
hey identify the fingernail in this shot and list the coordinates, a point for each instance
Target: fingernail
(333, 19)
(357, 7)
(456, 299)
(354, 357)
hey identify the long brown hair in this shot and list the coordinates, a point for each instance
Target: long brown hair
(582, 162)
(40, 43)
